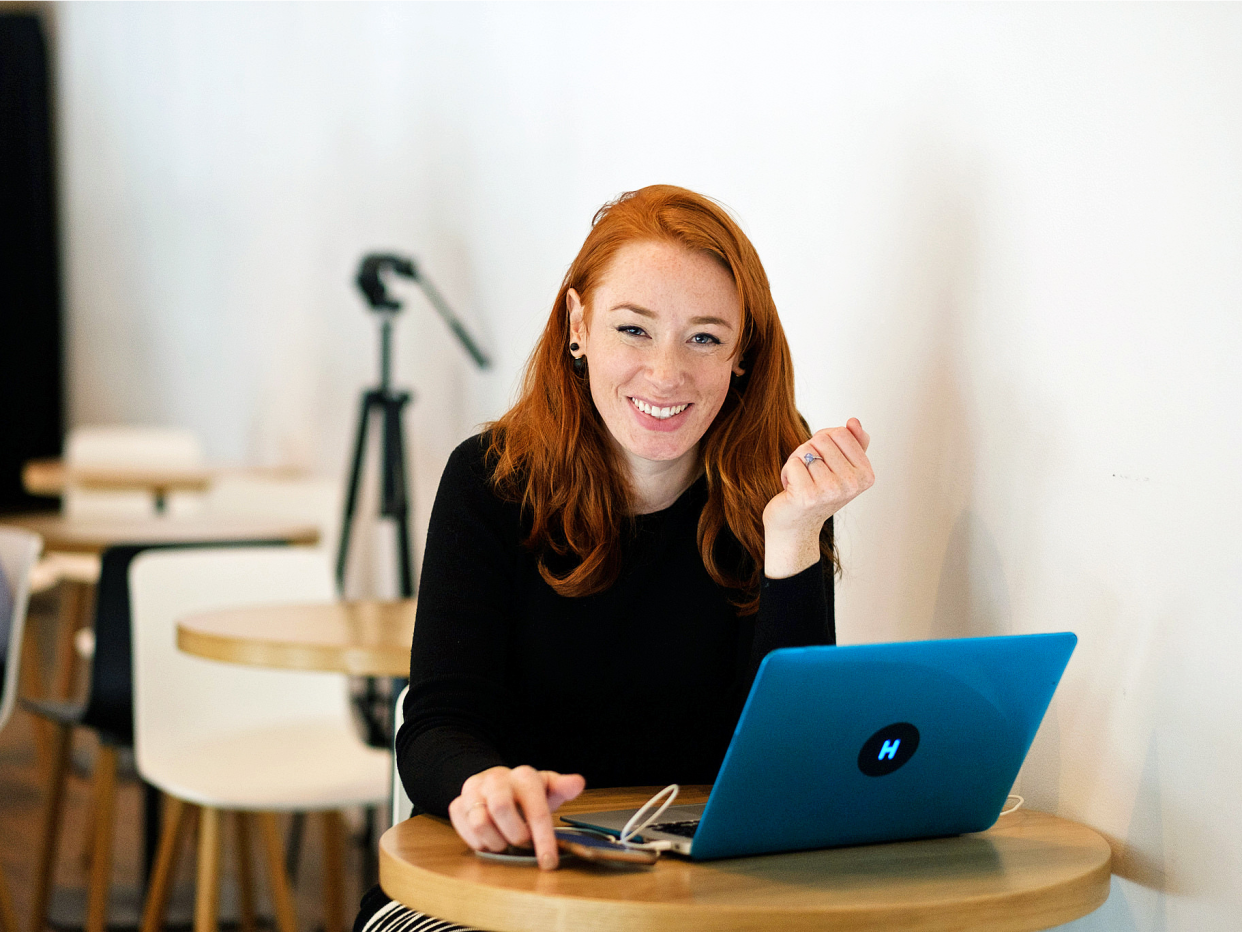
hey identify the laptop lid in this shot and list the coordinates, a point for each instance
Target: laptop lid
(879, 742)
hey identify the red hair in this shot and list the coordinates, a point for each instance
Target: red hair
(552, 452)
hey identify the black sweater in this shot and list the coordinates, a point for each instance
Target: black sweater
(639, 685)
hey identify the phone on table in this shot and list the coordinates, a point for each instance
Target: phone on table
(581, 844)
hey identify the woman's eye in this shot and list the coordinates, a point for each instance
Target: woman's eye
(705, 339)
(631, 330)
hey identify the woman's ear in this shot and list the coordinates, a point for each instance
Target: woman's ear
(577, 319)
(738, 371)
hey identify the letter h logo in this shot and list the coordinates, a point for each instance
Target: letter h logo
(889, 749)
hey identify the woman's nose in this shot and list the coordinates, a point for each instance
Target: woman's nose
(665, 371)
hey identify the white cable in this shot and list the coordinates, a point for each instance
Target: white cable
(634, 827)
(1016, 806)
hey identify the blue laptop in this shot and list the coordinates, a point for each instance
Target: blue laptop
(869, 743)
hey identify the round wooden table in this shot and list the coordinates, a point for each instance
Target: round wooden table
(78, 535)
(1029, 871)
(364, 638)
(53, 476)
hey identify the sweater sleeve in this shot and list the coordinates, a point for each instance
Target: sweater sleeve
(455, 710)
(798, 611)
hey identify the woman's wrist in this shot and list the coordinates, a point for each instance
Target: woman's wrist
(789, 552)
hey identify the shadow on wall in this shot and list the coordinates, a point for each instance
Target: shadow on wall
(1141, 882)
(929, 454)
(972, 599)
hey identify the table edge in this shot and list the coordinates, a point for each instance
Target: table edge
(509, 910)
(322, 658)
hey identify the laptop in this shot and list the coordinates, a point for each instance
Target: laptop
(869, 743)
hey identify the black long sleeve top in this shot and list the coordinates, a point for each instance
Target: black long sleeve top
(641, 684)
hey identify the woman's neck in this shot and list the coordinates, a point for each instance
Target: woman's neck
(656, 484)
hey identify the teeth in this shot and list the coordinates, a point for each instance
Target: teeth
(660, 413)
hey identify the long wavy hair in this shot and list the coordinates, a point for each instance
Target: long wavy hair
(552, 452)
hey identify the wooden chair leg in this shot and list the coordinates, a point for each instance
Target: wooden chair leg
(165, 864)
(74, 614)
(207, 894)
(32, 685)
(278, 880)
(333, 872)
(52, 806)
(8, 918)
(101, 859)
(245, 871)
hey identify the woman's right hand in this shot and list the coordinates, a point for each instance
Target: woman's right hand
(500, 806)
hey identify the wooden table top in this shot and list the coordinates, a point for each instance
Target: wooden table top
(96, 535)
(51, 476)
(364, 638)
(1029, 871)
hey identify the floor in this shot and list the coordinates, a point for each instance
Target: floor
(21, 799)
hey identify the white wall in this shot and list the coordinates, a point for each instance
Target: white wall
(1007, 237)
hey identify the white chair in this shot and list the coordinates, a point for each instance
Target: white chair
(294, 498)
(401, 805)
(226, 737)
(129, 447)
(19, 551)
(111, 447)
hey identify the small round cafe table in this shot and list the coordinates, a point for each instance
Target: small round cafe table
(363, 638)
(1029, 871)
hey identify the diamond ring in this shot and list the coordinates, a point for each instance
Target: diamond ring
(810, 458)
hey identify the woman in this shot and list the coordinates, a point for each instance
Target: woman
(609, 562)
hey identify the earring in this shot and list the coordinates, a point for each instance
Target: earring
(573, 347)
(580, 365)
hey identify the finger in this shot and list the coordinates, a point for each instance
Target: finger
(845, 442)
(824, 446)
(797, 472)
(532, 794)
(474, 824)
(856, 428)
(503, 800)
(562, 787)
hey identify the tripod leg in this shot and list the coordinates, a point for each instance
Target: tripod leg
(351, 497)
(396, 498)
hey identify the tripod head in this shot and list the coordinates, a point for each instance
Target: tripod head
(371, 285)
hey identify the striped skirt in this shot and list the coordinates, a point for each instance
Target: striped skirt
(379, 913)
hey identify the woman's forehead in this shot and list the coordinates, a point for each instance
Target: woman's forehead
(667, 279)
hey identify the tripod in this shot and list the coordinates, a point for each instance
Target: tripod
(390, 406)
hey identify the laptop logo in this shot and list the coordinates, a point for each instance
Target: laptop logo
(888, 749)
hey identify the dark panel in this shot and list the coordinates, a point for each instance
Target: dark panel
(31, 402)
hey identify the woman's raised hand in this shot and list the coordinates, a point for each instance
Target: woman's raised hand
(500, 806)
(820, 477)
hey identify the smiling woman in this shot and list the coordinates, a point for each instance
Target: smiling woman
(653, 484)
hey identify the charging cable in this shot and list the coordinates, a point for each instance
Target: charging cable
(640, 820)
(1016, 806)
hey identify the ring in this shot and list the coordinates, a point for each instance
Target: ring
(481, 802)
(810, 458)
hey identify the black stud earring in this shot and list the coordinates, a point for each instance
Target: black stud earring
(573, 347)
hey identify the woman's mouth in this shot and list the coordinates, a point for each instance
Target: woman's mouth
(657, 412)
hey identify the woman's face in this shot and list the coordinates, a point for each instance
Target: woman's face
(660, 338)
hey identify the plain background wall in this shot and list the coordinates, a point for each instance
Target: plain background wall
(1007, 237)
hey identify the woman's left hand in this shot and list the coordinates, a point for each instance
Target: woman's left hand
(837, 472)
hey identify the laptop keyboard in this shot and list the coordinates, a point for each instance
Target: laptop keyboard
(684, 829)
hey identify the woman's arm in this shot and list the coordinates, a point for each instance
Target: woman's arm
(455, 709)
(449, 748)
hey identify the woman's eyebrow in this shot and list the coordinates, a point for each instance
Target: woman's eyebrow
(644, 312)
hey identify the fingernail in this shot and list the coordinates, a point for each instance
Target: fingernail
(547, 862)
